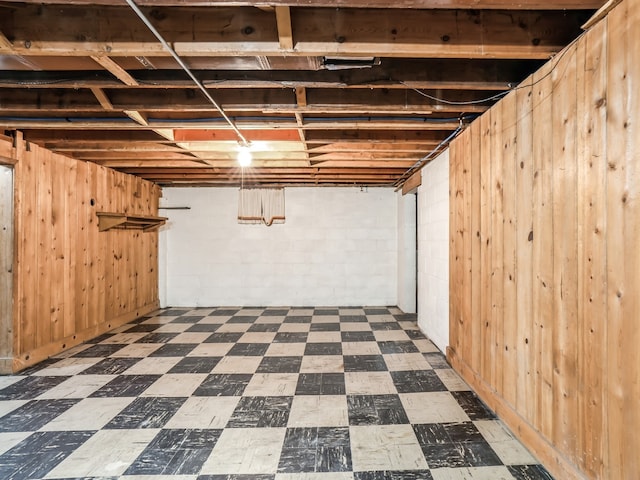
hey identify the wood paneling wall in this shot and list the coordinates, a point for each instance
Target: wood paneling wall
(545, 255)
(71, 282)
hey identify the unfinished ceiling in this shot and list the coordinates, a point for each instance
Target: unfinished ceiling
(335, 93)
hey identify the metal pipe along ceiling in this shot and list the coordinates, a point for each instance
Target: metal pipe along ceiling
(177, 58)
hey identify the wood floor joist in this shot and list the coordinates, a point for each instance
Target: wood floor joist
(365, 87)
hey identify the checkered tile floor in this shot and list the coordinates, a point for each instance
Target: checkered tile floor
(255, 394)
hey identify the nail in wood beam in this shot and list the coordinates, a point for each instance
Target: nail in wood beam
(285, 31)
(116, 70)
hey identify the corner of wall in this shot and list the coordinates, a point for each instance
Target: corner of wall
(433, 251)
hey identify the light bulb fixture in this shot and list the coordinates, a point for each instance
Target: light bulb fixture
(244, 155)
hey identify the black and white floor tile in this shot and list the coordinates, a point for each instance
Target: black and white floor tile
(254, 394)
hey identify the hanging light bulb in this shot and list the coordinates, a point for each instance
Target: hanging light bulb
(244, 155)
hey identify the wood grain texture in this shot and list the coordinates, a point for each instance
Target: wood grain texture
(542, 238)
(564, 185)
(6, 265)
(475, 314)
(559, 210)
(508, 347)
(71, 280)
(486, 325)
(623, 228)
(525, 389)
(592, 273)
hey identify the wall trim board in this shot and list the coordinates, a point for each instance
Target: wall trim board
(32, 357)
(558, 465)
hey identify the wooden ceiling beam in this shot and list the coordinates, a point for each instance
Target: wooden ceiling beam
(113, 124)
(106, 155)
(365, 155)
(343, 148)
(139, 112)
(375, 136)
(397, 4)
(149, 163)
(378, 147)
(102, 98)
(166, 133)
(209, 156)
(270, 184)
(392, 73)
(167, 164)
(114, 146)
(270, 171)
(104, 32)
(285, 31)
(54, 137)
(257, 99)
(279, 176)
(402, 164)
(116, 70)
(5, 44)
(137, 117)
(141, 119)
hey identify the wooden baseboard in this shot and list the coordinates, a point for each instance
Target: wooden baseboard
(32, 357)
(557, 464)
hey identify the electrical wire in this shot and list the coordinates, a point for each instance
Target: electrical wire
(429, 155)
(557, 58)
(497, 96)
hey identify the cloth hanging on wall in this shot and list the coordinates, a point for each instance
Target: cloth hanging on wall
(261, 205)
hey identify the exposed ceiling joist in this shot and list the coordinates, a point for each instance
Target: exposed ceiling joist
(5, 44)
(102, 98)
(285, 31)
(116, 70)
(244, 31)
(346, 92)
(446, 74)
(398, 4)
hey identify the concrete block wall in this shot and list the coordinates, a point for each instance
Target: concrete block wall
(337, 247)
(407, 269)
(433, 251)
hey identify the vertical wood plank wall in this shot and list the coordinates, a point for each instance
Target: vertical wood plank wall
(545, 255)
(72, 282)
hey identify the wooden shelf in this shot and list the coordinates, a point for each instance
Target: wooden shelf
(109, 220)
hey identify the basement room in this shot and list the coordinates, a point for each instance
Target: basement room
(320, 240)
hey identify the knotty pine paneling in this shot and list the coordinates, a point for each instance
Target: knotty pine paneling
(545, 255)
(71, 282)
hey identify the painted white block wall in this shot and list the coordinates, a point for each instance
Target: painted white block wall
(337, 247)
(407, 269)
(433, 251)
